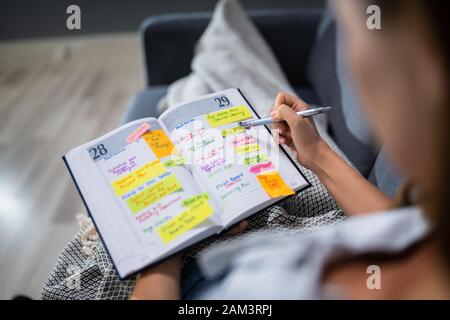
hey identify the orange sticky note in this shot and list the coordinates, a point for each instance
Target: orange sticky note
(159, 142)
(274, 185)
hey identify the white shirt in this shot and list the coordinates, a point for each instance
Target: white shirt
(292, 267)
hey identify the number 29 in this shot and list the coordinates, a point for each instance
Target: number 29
(223, 101)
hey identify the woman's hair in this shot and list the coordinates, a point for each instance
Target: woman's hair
(435, 14)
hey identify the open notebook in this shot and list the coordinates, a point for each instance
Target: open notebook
(156, 186)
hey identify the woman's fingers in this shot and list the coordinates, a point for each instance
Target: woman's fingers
(280, 139)
(281, 128)
(282, 132)
(285, 141)
(238, 228)
(284, 98)
(285, 113)
(274, 108)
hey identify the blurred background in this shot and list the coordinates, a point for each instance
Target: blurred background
(59, 89)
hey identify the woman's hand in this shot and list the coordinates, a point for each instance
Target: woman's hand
(299, 134)
(161, 282)
(354, 194)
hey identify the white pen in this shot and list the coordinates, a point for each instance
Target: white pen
(266, 121)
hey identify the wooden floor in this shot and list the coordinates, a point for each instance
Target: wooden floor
(54, 95)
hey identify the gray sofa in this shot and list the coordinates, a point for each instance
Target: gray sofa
(307, 46)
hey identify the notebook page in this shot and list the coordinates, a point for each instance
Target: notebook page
(133, 196)
(243, 170)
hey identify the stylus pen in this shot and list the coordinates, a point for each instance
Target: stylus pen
(266, 121)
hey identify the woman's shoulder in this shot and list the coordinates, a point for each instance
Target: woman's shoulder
(388, 230)
(300, 259)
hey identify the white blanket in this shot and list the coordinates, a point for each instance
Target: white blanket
(231, 54)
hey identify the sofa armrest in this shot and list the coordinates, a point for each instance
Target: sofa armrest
(168, 42)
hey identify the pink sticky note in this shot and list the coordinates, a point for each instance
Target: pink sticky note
(136, 134)
(256, 169)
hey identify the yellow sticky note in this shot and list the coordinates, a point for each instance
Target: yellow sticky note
(247, 148)
(274, 185)
(230, 115)
(187, 220)
(137, 177)
(154, 193)
(159, 142)
(232, 131)
(193, 200)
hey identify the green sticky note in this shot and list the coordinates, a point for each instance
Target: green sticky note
(193, 200)
(232, 131)
(175, 162)
(256, 159)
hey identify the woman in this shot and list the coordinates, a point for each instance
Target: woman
(402, 77)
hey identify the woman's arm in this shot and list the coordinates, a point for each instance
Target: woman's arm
(354, 194)
(163, 282)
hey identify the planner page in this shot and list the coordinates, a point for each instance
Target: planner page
(143, 205)
(242, 170)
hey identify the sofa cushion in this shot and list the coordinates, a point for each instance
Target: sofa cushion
(347, 123)
(307, 94)
(144, 103)
(165, 65)
(330, 81)
(385, 176)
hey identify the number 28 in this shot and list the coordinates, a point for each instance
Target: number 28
(98, 151)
